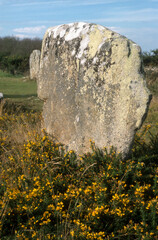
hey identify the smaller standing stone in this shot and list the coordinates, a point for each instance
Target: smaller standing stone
(34, 64)
(1, 102)
(1, 96)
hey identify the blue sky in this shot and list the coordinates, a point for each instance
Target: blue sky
(135, 19)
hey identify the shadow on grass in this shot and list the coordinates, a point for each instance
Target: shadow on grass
(21, 105)
(20, 96)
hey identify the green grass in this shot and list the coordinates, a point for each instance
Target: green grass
(20, 90)
(152, 79)
(152, 116)
(7, 74)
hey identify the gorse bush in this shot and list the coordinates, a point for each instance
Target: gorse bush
(48, 193)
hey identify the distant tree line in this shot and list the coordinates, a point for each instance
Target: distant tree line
(15, 53)
(150, 58)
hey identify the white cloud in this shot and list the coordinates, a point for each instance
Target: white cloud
(23, 4)
(50, 22)
(144, 15)
(30, 30)
(91, 2)
(22, 36)
(67, 2)
(143, 11)
(147, 14)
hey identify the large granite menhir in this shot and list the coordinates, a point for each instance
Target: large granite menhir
(92, 83)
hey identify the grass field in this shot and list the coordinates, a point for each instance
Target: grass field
(152, 84)
(20, 90)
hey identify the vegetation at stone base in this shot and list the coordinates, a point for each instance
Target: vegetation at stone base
(48, 193)
(15, 53)
(152, 79)
(150, 58)
(152, 84)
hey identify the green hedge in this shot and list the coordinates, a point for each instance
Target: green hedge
(15, 53)
(14, 64)
(151, 58)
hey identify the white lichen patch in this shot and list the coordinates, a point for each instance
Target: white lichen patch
(95, 60)
(69, 31)
(55, 30)
(102, 64)
(72, 31)
(49, 31)
(62, 33)
(83, 46)
(101, 28)
(101, 44)
(59, 30)
(73, 52)
(77, 119)
(76, 30)
(83, 61)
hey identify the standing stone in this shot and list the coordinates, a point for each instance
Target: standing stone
(1, 96)
(1, 103)
(92, 83)
(34, 63)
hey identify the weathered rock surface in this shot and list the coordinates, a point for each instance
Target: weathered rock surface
(34, 63)
(92, 83)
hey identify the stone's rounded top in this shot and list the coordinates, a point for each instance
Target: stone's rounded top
(91, 35)
(35, 52)
(74, 30)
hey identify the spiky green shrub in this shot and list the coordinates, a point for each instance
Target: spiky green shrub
(48, 193)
